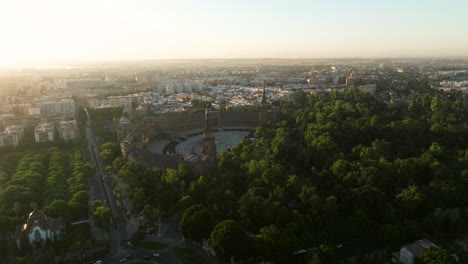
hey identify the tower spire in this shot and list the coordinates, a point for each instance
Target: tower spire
(262, 113)
(264, 100)
(209, 141)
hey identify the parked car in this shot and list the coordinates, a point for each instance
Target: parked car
(299, 252)
(123, 260)
(156, 254)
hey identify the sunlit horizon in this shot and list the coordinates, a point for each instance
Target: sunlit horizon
(55, 31)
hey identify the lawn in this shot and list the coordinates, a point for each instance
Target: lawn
(150, 245)
(187, 256)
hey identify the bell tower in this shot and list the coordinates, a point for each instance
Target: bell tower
(209, 141)
(262, 114)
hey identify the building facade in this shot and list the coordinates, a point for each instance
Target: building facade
(62, 107)
(38, 229)
(134, 138)
(68, 130)
(12, 136)
(411, 252)
(44, 132)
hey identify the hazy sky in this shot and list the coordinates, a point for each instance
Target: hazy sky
(154, 29)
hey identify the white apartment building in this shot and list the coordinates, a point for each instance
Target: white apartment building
(12, 136)
(44, 132)
(68, 130)
(170, 89)
(84, 84)
(34, 111)
(62, 107)
(111, 101)
(120, 101)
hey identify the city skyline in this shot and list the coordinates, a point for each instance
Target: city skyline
(152, 30)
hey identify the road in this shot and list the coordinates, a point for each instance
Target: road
(118, 228)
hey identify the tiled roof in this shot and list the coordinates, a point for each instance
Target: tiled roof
(38, 218)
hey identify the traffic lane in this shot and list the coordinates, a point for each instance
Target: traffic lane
(113, 235)
(165, 256)
(118, 214)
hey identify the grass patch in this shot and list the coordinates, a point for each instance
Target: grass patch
(187, 256)
(150, 245)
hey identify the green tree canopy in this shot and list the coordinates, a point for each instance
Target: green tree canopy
(229, 239)
(196, 223)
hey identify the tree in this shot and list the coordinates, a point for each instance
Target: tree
(274, 238)
(299, 97)
(57, 208)
(196, 223)
(323, 255)
(437, 256)
(228, 239)
(118, 163)
(109, 151)
(150, 214)
(409, 199)
(96, 203)
(102, 216)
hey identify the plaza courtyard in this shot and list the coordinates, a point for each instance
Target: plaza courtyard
(224, 141)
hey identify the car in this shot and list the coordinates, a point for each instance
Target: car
(123, 260)
(98, 262)
(299, 252)
(156, 255)
(339, 246)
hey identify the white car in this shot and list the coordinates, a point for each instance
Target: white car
(123, 260)
(98, 262)
(299, 252)
(156, 254)
(339, 246)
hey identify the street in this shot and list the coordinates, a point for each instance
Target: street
(118, 229)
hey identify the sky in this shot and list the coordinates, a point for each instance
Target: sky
(33, 30)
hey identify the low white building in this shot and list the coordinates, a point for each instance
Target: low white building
(44, 132)
(12, 136)
(410, 252)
